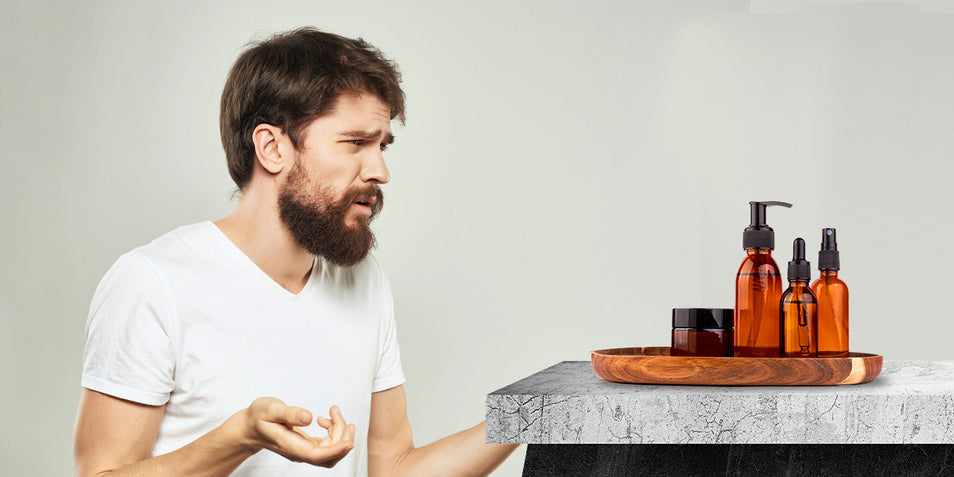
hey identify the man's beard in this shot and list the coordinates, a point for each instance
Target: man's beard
(318, 222)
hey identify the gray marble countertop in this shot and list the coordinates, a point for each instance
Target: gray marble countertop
(911, 402)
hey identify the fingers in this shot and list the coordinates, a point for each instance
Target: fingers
(300, 447)
(272, 425)
(277, 427)
(274, 410)
(338, 424)
(297, 416)
(338, 429)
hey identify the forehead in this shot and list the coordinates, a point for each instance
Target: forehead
(353, 112)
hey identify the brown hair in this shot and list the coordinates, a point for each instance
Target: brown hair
(292, 78)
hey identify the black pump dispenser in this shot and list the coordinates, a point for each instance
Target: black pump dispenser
(828, 254)
(758, 234)
(799, 268)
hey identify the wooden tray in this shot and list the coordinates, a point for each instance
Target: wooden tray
(653, 365)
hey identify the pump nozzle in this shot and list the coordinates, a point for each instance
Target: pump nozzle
(758, 234)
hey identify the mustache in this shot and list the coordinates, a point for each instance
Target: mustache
(365, 192)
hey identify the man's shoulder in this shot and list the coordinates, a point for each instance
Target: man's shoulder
(188, 240)
(184, 247)
(175, 260)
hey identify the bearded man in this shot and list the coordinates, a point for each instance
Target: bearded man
(196, 341)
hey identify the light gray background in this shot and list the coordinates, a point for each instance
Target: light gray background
(569, 172)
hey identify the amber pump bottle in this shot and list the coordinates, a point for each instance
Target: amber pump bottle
(758, 288)
(798, 316)
(832, 294)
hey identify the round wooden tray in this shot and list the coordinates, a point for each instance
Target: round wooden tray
(654, 365)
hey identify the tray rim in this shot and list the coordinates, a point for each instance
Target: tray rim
(601, 352)
(856, 375)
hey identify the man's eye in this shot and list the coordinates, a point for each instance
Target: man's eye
(356, 142)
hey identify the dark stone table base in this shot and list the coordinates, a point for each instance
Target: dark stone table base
(862, 460)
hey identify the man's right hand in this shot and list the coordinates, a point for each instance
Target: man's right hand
(271, 424)
(115, 437)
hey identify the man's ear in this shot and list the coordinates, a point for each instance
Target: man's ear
(267, 140)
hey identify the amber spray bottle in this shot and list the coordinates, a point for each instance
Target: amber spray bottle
(798, 316)
(832, 294)
(758, 287)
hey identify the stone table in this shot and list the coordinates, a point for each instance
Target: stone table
(903, 421)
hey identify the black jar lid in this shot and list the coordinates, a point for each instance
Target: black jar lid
(702, 318)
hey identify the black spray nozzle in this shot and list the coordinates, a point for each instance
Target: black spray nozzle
(799, 268)
(758, 234)
(828, 253)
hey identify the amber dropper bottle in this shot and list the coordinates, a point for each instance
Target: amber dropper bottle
(798, 316)
(832, 294)
(758, 287)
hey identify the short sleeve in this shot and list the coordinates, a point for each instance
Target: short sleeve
(389, 371)
(129, 353)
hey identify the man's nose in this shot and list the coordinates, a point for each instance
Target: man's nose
(374, 169)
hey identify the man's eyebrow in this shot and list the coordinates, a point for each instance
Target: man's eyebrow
(362, 134)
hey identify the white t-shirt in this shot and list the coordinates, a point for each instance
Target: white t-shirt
(191, 322)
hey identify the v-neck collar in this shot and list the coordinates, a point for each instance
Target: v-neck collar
(256, 270)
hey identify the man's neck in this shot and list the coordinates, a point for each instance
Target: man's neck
(258, 232)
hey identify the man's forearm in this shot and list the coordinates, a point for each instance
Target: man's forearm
(267, 424)
(463, 454)
(217, 453)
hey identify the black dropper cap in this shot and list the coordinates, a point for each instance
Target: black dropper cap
(758, 234)
(799, 268)
(828, 254)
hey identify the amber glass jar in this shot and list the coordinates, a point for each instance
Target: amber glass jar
(701, 332)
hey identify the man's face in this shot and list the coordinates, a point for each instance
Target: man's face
(331, 193)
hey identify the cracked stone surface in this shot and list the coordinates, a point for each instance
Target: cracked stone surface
(911, 402)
